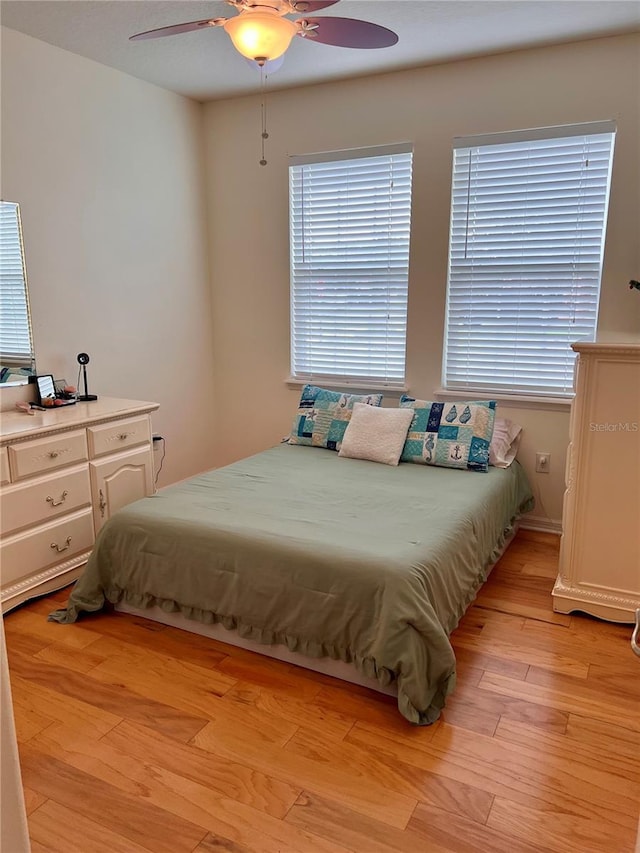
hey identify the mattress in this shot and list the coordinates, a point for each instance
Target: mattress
(369, 564)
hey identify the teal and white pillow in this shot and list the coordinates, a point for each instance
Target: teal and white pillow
(323, 416)
(450, 435)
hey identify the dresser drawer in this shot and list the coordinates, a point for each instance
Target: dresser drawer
(4, 466)
(28, 553)
(47, 454)
(44, 499)
(109, 438)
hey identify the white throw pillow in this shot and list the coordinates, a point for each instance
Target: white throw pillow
(376, 434)
(505, 442)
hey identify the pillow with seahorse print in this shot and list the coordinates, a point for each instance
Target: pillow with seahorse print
(450, 435)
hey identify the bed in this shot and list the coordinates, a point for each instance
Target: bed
(333, 558)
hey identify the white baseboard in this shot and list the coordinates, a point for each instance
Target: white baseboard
(541, 523)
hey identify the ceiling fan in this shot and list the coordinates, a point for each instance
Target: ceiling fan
(262, 32)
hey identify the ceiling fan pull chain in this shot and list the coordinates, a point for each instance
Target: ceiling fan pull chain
(263, 112)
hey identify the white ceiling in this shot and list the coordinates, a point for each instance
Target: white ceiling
(205, 66)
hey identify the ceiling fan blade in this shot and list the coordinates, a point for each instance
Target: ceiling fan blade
(187, 27)
(347, 32)
(301, 7)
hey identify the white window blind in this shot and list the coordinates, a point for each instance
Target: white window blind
(350, 215)
(15, 337)
(528, 217)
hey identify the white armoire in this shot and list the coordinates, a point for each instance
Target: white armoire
(599, 571)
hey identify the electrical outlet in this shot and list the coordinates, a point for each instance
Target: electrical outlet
(543, 462)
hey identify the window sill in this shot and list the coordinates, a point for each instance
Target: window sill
(516, 401)
(349, 386)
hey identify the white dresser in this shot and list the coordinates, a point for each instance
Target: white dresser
(63, 473)
(600, 548)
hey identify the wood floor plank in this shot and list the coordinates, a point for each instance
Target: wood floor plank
(467, 709)
(540, 569)
(194, 690)
(277, 676)
(234, 779)
(295, 711)
(22, 643)
(78, 660)
(514, 604)
(467, 673)
(138, 821)
(480, 710)
(386, 769)
(482, 617)
(437, 826)
(488, 658)
(551, 695)
(517, 773)
(369, 799)
(220, 844)
(267, 834)
(80, 834)
(555, 830)
(37, 847)
(362, 704)
(205, 800)
(611, 632)
(590, 751)
(83, 717)
(591, 646)
(159, 667)
(357, 832)
(484, 645)
(410, 738)
(29, 721)
(620, 677)
(113, 699)
(617, 705)
(526, 773)
(32, 799)
(161, 639)
(25, 622)
(615, 741)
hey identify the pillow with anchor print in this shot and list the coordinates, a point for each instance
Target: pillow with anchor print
(450, 435)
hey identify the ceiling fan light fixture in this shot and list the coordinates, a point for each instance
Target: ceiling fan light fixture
(262, 35)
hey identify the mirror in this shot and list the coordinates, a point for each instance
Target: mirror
(17, 358)
(46, 388)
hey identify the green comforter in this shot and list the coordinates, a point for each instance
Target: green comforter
(334, 557)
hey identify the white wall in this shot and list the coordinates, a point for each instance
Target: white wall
(108, 171)
(248, 221)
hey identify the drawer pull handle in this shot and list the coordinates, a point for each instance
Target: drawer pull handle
(102, 504)
(123, 435)
(57, 548)
(53, 454)
(53, 502)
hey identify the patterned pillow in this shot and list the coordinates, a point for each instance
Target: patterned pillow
(451, 435)
(323, 416)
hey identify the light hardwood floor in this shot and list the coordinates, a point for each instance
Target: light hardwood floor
(137, 737)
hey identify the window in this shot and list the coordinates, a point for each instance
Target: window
(528, 217)
(15, 333)
(350, 215)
